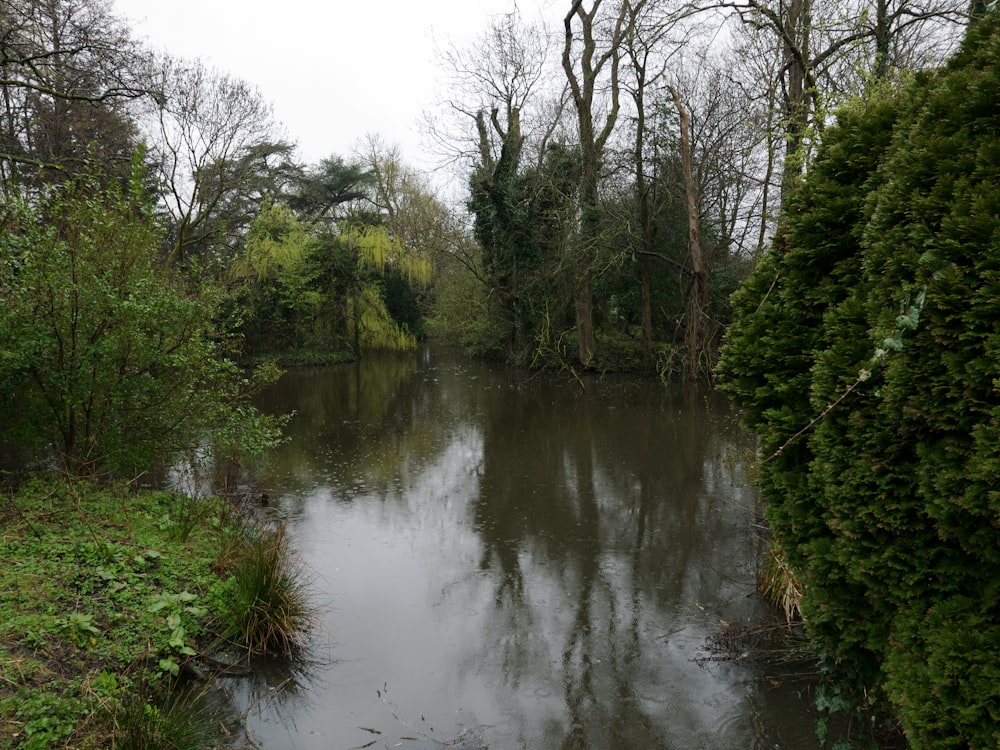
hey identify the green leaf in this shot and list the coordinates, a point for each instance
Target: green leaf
(171, 666)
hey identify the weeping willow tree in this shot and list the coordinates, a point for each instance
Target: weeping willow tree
(299, 289)
(379, 252)
(276, 241)
(276, 285)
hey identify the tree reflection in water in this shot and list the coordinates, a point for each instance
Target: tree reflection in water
(511, 554)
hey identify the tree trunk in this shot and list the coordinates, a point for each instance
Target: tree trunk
(646, 301)
(697, 301)
(582, 87)
(590, 232)
(642, 199)
(883, 41)
(795, 33)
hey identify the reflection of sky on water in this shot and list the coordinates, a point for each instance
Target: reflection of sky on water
(536, 570)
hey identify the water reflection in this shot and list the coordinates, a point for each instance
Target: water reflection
(513, 564)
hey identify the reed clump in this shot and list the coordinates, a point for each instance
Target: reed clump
(180, 720)
(778, 584)
(264, 606)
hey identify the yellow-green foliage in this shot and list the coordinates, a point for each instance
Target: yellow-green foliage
(374, 327)
(378, 250)
(276, 241)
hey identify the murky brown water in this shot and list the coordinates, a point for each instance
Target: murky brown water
(507, 563)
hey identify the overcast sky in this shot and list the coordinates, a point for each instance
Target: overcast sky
(335, 70)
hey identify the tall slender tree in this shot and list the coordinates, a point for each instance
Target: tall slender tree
(697, 293)
(647, 65)
(589, 65)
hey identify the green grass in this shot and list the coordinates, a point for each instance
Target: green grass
(102, 591)
(181, 720)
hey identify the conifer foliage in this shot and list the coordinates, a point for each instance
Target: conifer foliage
(866, 354)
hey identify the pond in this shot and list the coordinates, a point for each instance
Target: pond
(504, 561)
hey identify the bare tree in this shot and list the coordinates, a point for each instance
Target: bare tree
(505, 120)
(654, 36)
(593, 76)
(503, 72)
(830, 51)
(213, 134)
(791, 24)
(68, 68)
(697, 295)
(423, 225)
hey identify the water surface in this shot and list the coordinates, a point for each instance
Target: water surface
(506, 562)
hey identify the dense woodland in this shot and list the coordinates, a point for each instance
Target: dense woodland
(612, 183)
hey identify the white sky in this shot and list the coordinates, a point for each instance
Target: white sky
(334, 70)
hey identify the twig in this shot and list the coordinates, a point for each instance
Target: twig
(407, 724)
(829, 407)
(908, 319)
(249, 736)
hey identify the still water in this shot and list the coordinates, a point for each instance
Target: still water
(503, 561)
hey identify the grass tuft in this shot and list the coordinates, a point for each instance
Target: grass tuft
(778, 584)
(182, 720)
(186, 514)
(264, 605)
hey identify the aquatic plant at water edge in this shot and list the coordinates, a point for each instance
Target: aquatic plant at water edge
(180, 720)
(778, 584)
(264, 604)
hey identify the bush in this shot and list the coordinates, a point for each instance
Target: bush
(866, 354)
(105, 354)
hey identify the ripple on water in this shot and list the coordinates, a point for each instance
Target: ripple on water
(461, 490)
(655, 699)
(504, 729)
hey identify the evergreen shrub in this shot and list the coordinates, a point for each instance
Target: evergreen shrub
(866, 354)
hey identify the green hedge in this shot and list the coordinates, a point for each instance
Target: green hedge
(866, 354)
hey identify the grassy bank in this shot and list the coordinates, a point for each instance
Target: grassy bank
(110, 600)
